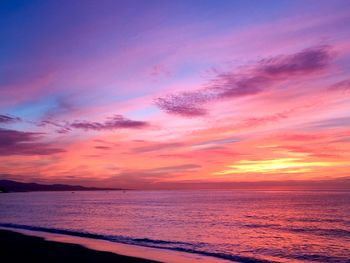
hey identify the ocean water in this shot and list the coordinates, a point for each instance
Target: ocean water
(243, 226)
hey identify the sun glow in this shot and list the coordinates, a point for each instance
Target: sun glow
(285, 165)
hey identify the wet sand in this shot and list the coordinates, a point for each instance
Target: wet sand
(16, 247)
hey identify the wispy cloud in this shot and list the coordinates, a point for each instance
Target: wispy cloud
(99, 147)
(304, 62)
(159, 172)
(251, 80)
(301, 137)
(174, 169)
(115, 122)
(341, 86)
(14, 142)
(61, 127)
(331, 123)
(157, 147)
(211, 143)
(112, 123)
(8, 119)
(255, 121)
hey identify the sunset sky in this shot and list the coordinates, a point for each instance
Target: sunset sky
(161, 94)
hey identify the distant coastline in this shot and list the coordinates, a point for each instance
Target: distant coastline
(9, 186)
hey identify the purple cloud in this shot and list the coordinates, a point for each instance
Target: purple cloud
(330, 123)
(304, 62)
(112, 123)
(115, 122)
(250, 81)
(174, 105)
(8, 119)
(187, 104)
(14, 142)
(60, 127)
(341, 86)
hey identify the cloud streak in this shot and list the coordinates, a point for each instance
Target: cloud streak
(4, 119)
(157, 147)
(14, 142)
(112, 123)
(342, 86)
(249, 81)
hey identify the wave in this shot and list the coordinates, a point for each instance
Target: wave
(310, 230)
(319, 258)
(146, 242)
(297, 219)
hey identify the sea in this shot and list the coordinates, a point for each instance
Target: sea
(242, 226)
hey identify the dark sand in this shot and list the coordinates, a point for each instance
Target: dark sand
(16, 247)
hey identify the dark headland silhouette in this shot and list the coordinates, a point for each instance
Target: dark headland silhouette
(7, 186)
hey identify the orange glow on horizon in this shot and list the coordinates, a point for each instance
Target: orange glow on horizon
(285, 165)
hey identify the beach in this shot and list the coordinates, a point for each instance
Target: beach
(40, 246)
(16, 247)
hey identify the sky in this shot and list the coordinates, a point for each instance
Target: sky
(175, 94)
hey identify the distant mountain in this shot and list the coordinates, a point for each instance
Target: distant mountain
(13, 186)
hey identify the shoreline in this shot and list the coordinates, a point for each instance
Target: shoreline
(18, 247)
(94, 249)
